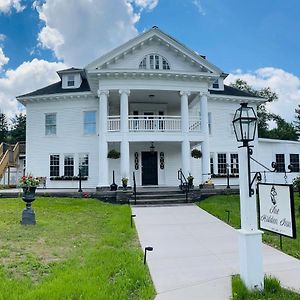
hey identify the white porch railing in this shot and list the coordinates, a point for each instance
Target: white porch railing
(113, 123)
(194, 124)
(154, 123)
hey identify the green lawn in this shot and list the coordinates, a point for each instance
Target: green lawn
(79, 249)
(272, 291)
(217, 206)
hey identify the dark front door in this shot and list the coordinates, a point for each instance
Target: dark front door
(149, 168)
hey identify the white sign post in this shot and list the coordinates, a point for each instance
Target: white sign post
(276, 208)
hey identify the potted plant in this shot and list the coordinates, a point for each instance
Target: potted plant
(113, 154)
(296, 183)
(28, 183)
(190, 180)
(196, 153)
(124, 182)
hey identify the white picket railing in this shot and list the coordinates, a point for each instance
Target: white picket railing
(154, 123)
(113, 123)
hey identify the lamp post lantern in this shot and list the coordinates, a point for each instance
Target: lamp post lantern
(250, 238)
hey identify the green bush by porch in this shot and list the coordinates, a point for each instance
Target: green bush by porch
(79, 249)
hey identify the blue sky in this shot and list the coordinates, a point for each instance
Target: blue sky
(256, 40)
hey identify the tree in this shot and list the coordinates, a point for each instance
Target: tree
(3, 128)
(18, 129)
(262, 114)
(297, 119)
(283, 131)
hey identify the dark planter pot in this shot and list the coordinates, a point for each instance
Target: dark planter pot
(124, 186)
(191, 183)
(28, 215)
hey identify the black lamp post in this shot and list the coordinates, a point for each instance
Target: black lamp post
(244, 124)
(80, 178)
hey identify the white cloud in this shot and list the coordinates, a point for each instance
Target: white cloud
(2, 37)
(6, 6)
(285, 84)
(81, 31)
(28, 77)
(145, 4)
(3, 59)
(199, 6)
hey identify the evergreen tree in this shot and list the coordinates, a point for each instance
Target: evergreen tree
(297, 119)
(3, 128)
(18, 129)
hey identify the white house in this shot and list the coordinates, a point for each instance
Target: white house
(153, 100)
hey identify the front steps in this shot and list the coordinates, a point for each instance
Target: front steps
(160, 196)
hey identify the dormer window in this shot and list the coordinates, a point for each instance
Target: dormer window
(216, 84)
(154, 62)
(71, 80)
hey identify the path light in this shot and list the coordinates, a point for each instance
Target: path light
(145, 255)
(131, 217)
(250, 238)
(80, 178)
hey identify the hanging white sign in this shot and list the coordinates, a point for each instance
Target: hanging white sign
(276, 208)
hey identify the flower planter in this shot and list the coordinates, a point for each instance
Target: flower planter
(28, 215)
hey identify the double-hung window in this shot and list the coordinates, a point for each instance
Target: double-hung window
(280, 162)
(50, 124)
(71, 80)
(222, 166)
(69, 165)
(89, 126)
(54, 165)
(84, 164)
(234, 163)
(294, 161)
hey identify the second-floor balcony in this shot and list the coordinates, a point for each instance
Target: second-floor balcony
(153, 123)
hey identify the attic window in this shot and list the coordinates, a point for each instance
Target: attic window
(71, 80)
(216, 84)
(154, 62)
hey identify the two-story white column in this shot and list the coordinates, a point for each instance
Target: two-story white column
(205, 133)
(185, 144)
(103, 146)
(125, 162)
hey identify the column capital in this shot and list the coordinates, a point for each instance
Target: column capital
(204, 93)
(102, 92)
(184, 93)
(127, 92)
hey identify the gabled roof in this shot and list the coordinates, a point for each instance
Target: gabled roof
(231, 91)
(56, 88)
(154, 32)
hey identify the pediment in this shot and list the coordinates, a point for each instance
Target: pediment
(153, 42)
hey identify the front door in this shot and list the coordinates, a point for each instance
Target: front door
(149, 168)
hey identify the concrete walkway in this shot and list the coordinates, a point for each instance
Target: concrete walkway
(195, 254)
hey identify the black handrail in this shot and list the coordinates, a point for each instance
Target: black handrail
(184, 184)
(134, 188)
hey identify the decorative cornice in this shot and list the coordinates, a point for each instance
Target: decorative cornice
(204, 93)
(102, 92)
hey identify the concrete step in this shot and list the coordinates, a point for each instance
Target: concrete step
(159, 201)
(159, 196)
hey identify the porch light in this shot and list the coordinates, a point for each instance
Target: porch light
(152, 148)
(244, 124)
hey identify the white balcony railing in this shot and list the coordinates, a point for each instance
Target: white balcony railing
(113, 123)
(154, 123)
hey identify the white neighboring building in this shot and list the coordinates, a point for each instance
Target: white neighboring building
(150, 91)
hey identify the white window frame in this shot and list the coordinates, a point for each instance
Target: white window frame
(81, 160)
(90, 123)
(68, 165)
(151, 64)
(50, 165)
(70, 80)
(49, 132)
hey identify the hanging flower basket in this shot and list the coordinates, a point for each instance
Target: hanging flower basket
(196, 153)
(113, 154)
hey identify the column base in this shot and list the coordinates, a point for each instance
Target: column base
(251, 262)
